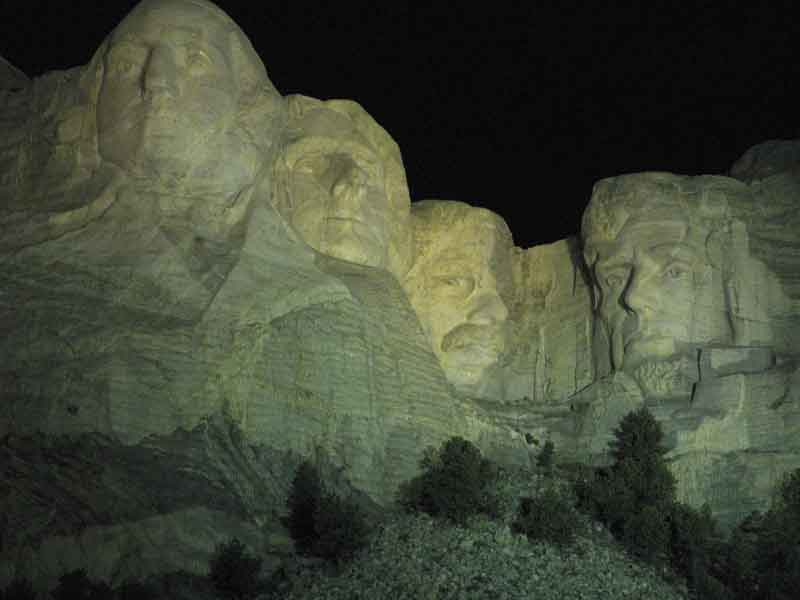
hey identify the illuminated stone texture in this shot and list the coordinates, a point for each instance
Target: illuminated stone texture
(150, 281)
(340, 183)
(179, 241)
(696, 307)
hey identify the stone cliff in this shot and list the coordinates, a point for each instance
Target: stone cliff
(185, 317)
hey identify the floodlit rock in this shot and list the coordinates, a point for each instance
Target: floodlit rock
(695, 280)
(178, 242)
(459, 286)
(340, 183)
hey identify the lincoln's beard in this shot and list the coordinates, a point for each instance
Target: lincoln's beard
(664, 378)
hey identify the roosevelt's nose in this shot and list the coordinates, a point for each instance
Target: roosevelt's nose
(487, 308)
(161, 72)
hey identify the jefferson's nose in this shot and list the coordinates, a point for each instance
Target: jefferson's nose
(161, 72)
(350, 188)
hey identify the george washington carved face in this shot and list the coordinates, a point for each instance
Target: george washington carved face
(174, 72)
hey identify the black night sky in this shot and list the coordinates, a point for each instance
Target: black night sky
(518, 107)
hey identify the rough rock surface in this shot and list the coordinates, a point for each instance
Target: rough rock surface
(147, 287)
(697, 312)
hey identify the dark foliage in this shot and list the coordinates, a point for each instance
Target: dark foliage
(76, 585)
(545, 459)
(550, 516)
(697, 549)
(19, 589)
(637, 435)
(137, 591)
(340, 529)
(762, 561)
(320, 522)
(456, 483)
(303, 502)
(234, 571)
(634, 497)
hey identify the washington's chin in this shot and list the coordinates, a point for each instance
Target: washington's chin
(359, 249)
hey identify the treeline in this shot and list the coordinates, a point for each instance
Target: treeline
(634, 498)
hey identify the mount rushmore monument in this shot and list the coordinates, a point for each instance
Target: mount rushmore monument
(182, 247)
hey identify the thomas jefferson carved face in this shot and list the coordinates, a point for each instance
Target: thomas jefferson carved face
(461, 270)
(657, 266)
(343, 188)
(170, 86)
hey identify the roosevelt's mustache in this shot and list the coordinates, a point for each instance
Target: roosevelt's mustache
(489, 337)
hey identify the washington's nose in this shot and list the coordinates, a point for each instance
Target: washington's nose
(487, 308)
(161, 72)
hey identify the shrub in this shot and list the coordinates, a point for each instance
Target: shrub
(340, 528)
(19, 589)
(645, 533)
(789, 494)
(76, 585)
(456, 483)
(137, 590)
(544, 461)
(233, 571)
(696, 546)
(320, 522)
(634, 497)
(303, 501)
(550, 516)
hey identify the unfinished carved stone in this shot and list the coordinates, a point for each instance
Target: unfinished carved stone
(459, 286)
(340, 183)
(696, 299)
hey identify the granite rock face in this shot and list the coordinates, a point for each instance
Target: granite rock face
(695, 280)
(203, 282)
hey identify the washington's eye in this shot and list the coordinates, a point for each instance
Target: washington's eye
(197, 59)
(614, 280)
(312, 164)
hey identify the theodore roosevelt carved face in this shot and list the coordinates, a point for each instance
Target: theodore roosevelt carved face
(457, 284)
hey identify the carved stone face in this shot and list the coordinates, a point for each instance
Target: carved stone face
(169, 87)
(455, 284)
(339, 205)
(341, 184)
(659, 283)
